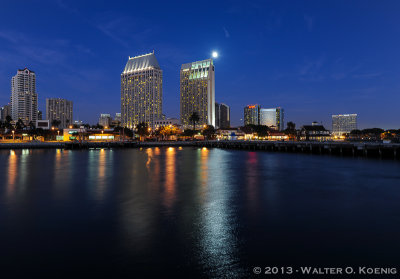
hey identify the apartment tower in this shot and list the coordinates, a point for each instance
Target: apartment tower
(24, 100)
(61, 110)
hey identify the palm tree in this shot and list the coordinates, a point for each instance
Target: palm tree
(291, 130)
(142, 129)
(209, 132)
(32, 125)
(194, 117)
(8, 124)
(20, 124)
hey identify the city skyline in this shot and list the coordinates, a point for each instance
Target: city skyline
(337, 65)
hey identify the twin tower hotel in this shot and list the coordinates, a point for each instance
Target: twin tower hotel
(141, 92)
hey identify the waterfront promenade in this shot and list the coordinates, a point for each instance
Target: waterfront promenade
(359, 149)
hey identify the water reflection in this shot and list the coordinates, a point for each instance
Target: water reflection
(149, 152)
(100, 167)
(218, 230)
(204, 166)
(62, 173)
(23, 170)
(170, 172)
(252, 177)
(204, 211)
(12, 173)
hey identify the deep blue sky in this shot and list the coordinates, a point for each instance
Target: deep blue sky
(313, 58)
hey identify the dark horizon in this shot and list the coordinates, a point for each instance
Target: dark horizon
(312, 59)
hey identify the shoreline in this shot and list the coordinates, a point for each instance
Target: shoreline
(354, 149)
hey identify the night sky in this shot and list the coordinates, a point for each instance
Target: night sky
(313, 58)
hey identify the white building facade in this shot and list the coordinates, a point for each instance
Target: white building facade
(24, 100)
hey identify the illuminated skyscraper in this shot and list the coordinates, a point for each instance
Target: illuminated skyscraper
(252, 115)
(198, 92)
(343, 123)
(273, 118)
(24, 100)
(141, 91)
(61, 110)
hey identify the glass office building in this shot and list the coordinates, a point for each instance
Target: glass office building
(273, 118)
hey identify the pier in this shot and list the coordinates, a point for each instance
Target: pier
(354, 149)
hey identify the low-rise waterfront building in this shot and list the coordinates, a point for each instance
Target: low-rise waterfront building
(277, 136)
(42, 124)
(230, 134)
(314, 132)
(165, 122)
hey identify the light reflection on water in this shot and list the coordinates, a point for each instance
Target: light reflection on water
(170, 183)
(193, 211)
(12, 173)
(100, 167)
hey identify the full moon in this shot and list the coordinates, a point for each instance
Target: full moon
(214, 54)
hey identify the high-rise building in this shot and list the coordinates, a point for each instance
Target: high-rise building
(105, 120)
(273, 118)
(222, 116)
(39, 115)
(141, 91)
(24, 100)
(61, 110)
(252, 115)
(197, 90)
(4, 112)
(343, 124)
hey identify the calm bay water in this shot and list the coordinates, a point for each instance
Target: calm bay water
(206, 213)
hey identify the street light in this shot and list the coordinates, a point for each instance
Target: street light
(58, 135)
(13, 135)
